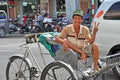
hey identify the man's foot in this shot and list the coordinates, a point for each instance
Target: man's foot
(92, 71)
(96, 68)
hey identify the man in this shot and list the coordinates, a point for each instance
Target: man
(77, 37)
(65, 19)
(39, 17)
(86, 17)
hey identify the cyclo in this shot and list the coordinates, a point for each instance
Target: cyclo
(66, 65)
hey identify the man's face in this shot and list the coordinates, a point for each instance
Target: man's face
(77, 20)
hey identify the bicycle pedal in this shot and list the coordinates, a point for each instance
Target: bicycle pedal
(94, 71)
(36, 75)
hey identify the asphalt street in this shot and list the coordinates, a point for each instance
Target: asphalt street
(10, 45)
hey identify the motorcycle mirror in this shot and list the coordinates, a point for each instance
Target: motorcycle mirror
(22, 18)
(18, 16)
(10, 19)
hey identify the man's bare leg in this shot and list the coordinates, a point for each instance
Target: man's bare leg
(95, 56)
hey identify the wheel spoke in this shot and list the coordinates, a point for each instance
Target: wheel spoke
(18, 69)
(57, 72)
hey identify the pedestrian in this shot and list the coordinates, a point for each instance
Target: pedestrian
(40, 17)
(86, 17)
(46, 14)
(65, 19)
(47, 23)
(36, 17)
(77, 37)
(25, 19)
(40, 21)
(47, 19)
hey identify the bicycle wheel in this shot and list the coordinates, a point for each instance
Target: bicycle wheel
(57, 71)
(116, 69)
(18, 69)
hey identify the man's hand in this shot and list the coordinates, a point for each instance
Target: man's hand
(96, 27)
(65, 45)
(83, 56)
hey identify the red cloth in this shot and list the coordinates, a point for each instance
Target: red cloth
(24, 19)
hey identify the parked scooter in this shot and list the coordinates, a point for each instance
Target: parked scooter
(27, 27)
(48, 24)
(13, 26)
(22, 26)
(58, 25)
(38, 26)
(16, 25)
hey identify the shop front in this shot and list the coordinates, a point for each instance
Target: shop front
(23, 8)
(54, 7)
(57, 7)
(30, 7)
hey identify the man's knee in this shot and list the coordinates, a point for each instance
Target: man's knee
(95, 49)
(94, 46)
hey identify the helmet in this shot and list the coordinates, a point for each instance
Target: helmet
(78, 12)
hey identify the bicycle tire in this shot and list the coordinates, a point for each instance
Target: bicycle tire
(57, 71)
(116, 69)
(18, 63)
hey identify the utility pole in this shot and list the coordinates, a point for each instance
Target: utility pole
(93, 8)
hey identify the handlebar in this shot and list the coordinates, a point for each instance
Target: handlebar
(31, 38)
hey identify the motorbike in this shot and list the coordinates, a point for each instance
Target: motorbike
(49, 27)
(13, 27)
(22, 26)
(38, 26)
(16, 25)
(58, 25)
(27, 27)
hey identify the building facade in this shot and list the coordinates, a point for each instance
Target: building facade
(54, 7)
(23, 7)
(57, 7)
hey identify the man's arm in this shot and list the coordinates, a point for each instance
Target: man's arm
(67, 44)
(91, 39)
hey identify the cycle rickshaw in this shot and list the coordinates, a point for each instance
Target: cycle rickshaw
(66, 65)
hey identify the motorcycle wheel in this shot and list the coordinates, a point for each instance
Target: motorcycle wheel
(21, 31)
(36, 30)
